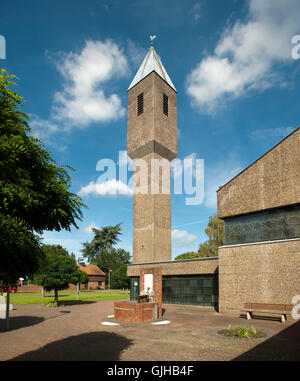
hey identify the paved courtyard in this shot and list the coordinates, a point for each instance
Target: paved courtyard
(74, 332)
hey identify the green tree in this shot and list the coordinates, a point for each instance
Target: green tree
(58, 270)
(187, 255)
(119, 278)
(34, 190)
(215, 233)
(100, 252)
(104, 239)
(209, 248)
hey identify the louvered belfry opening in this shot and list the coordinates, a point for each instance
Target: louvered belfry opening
(140, 104)
(165, 104)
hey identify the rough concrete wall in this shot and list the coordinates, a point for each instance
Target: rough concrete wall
(272, 181)
(188, 267)
(267, 273)
(152, 135)
(152, 124)
(165, 127)
(152, 220)
(140, 129)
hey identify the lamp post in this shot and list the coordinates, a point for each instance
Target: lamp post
(109, 279)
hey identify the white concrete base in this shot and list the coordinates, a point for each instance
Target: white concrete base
(109, 323)
(162, 322)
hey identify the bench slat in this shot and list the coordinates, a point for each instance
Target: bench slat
(269, 306)
(267, 311)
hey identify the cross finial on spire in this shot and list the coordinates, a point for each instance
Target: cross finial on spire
(152, 37)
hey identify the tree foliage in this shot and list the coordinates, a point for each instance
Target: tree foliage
(104, 239)
(119, 278)
(209, 248)
(187, 255)
(110, 259)
(215, 233)
(34, 189)
(58, 270)
(100, 252)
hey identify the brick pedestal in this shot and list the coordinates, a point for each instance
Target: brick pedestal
(157, 285)
(132, 312)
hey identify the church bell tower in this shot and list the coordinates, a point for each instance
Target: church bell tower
(152, 137)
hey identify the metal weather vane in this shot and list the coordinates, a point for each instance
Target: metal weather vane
(152, 37)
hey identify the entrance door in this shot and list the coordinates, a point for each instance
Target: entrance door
(134, 288)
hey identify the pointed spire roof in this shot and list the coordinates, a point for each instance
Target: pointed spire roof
(151, 63)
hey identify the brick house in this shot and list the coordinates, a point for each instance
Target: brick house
(96, 277)
(96, 280)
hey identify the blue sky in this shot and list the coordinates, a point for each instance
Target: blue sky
(231, 63)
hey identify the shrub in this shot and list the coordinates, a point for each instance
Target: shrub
(243, 332)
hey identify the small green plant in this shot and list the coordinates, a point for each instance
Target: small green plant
(243, 332)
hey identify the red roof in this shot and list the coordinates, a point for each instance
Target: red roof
(91, 270)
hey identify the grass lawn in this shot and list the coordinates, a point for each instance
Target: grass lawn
(37, 298)
(67, 292)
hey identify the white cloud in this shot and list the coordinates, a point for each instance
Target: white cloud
(88, 229)
(84, 97)
(267, 133)
(246, 54)
(110, 187)
(182, 238)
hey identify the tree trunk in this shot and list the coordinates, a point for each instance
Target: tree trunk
(77, 291)
(43, 292)
(56, 298)
(7, 307)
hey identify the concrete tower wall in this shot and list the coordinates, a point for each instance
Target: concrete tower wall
(152, 219)
(151, 136)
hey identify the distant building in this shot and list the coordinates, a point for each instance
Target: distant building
(96, 280)
(96, 277)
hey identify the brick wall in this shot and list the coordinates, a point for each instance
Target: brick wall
(134, 312)
(157, 285)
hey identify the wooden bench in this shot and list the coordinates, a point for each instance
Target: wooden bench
(267, 308)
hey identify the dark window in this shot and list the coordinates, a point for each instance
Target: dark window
(165, 104)
(201, 290)
(134, 288)
(270, 225)
(140, 104)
